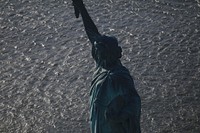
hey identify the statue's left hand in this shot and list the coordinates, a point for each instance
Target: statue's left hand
(113, 116)
(114, 110)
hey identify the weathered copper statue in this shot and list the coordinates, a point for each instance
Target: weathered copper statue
(115, 105)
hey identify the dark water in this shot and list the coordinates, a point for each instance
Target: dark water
(46, 66)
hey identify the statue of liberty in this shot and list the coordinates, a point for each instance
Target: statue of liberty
(115, 105)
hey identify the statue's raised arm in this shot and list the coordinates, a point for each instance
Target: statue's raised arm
(105, 49)
(89, 25)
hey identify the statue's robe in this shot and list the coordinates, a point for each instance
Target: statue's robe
(114, 90)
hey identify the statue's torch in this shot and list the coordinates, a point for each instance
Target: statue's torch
(76, 10)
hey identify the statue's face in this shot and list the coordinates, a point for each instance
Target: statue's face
(106, 51)
(100, 50)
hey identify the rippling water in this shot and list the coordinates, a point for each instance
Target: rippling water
(46, 66)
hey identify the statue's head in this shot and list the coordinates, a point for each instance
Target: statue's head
(106, 51)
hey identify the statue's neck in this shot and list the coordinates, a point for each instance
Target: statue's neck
(109, 66)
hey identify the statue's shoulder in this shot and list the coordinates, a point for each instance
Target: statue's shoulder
(121, 77)
(121, 72)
